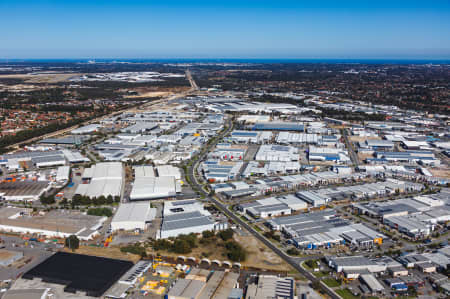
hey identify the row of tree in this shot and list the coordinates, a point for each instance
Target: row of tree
(83, 200)
(47, 200)
(181, 244)
(184, 244)
(100, 212)
(136, 248)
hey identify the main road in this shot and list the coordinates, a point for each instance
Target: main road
(351, 151)
(194, 85)
(295, 264)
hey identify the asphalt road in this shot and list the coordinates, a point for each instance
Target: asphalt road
(351, 151)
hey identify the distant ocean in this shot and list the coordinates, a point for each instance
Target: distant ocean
(235, 60)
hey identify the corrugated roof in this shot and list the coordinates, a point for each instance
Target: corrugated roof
(140, 211)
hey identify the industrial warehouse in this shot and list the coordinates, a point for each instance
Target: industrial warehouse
(273, 206)
(320, 197)
(324, 229)
(133, 216)
(416, 217)
(102, 179)
(270, 286)
(185, 217)
(217, 171)
(328, 154)
(40, 159)
(200, 285)
(304, 139)
(255, 168)
(277, 153)
(148, 186)
(250, 136)
(23, 190)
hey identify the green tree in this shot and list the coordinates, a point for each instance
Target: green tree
(235, 251)
(181, 246)
(100, 212)
(226, 234)
(161, 244)
(412, 291)
(47, 200)
(72, 242)
(208, 234)
(135, 249)
(292, 251)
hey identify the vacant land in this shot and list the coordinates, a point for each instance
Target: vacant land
(151, 92)
(440, 172)
(258, 255)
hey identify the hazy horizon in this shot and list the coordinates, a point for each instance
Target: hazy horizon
(45, 29)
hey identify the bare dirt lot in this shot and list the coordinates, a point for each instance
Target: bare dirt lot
(259, 256)
(153, 92)
(440, 172)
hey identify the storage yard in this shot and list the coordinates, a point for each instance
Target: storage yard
(51, 224)
(23, 191)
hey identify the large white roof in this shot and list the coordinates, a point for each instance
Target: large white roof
(107, 170)
(148, 188)
(169, 170)
(144, 171)
(135, 212)
(106, 180)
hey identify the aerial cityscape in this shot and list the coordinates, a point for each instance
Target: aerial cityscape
(251, 171)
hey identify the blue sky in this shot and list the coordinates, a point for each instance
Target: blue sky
(225, 29)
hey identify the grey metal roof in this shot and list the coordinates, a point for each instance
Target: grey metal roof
(65, 140)
(183, 202)
(22, 155)
(48, 159)
(300, 218)
(186, 222)
(268, 208)
(180, 216)
(353, 261)
(186, 288)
